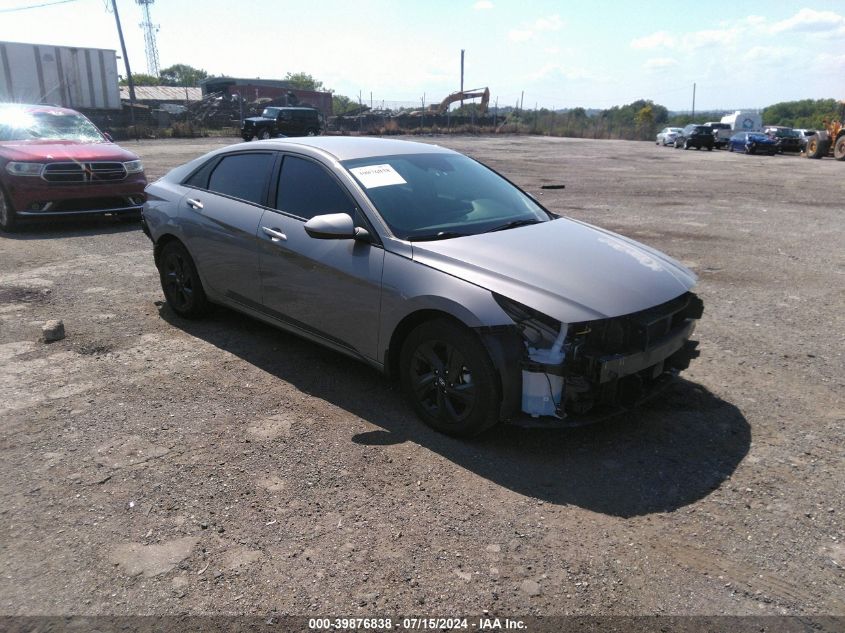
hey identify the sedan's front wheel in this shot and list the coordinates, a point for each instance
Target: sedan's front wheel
(181, 282)
(449, 379)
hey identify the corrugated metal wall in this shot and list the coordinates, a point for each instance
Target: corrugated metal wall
(59, 75)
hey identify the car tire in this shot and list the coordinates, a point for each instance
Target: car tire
(8, 217)
(709, 148)
(181, 282)
(751, 149)
(264, 135)
(449, 379)
(311, 132)
(247, 138)
(686, 145)
(730, 147)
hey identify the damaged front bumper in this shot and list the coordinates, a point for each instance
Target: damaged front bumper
(609, 365)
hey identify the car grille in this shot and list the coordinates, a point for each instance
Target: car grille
(641, 330)
(84, 172)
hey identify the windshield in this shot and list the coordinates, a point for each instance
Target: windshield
(17, 124)
(758, 137)
(270, 113)
(438, 196)
(786, 133)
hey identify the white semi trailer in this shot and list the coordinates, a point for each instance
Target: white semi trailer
(59, 75)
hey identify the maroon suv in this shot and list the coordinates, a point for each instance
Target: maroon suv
(55, 162)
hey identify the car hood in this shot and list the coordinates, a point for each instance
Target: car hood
(44, 151)
(566, 269)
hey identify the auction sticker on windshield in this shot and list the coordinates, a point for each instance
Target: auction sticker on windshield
(374, 176)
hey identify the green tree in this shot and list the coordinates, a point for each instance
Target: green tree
(140, 79)
(182, 75)
(304, 81)
(342, 104)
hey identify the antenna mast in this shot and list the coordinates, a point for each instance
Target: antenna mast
(150, 31)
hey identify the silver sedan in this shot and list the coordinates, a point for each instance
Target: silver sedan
(429, 266)
(667, 136)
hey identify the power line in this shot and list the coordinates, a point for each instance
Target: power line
(35, 6)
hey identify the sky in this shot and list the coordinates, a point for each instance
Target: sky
(739, 54)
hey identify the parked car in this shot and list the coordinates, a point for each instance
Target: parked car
(804, 136)
(667, 135)
(695, 135)
(54, 163)
(428, 265)
(287, 121)
(753, 143)
(721, 133)
(789, 139)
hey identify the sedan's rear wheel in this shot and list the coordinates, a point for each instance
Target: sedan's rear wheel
(181, 282)
(449, 379)
(8, 219)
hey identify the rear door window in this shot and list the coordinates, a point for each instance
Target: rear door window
(243, 176)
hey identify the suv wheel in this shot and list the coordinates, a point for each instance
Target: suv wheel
(264, 135)
(8, 219)
(311, 132)
(449, 379)
(686, 144)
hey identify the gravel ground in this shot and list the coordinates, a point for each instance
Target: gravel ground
(153, 465)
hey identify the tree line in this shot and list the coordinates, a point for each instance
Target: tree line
(641, 119)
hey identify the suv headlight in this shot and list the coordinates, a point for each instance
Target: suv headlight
(133, 166)
(24, 169)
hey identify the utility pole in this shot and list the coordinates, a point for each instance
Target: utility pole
(462, 79)
(693, 101)
(129, 79)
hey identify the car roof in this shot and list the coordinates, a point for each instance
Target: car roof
(348, 147)
(30, 107)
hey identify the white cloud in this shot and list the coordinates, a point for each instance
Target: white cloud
(528, 31)
(553, 71)
(550, 23)
(660, 63)
(481, 5)
(520, 35)
(708, 38)
(660, 39)
(770, 54)
(811, 21)
(828, 63)
(551, 50)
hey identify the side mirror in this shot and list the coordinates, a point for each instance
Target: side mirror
(332, 226)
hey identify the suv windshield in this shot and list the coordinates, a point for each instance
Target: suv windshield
(270, 113)
(438, 196)
(17, 124)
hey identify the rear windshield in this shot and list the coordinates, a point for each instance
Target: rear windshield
(17, 124)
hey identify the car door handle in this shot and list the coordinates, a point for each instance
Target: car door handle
(275, 234)
(194, 203)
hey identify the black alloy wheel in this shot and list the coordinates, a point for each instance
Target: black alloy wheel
(181, 283)
(449, 379)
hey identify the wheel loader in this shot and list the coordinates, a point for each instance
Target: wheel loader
(832, 137)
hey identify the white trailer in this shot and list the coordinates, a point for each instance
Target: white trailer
(59, 75)
(744, 121)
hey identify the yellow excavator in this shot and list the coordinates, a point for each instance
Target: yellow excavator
(475, 93)
(831, 137)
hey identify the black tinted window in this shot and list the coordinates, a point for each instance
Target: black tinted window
(306, 190)
(242, 176)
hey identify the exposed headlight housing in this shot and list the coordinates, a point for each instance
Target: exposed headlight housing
(24, 169)
(133, 166)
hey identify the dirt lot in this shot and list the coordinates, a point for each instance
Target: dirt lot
(154, 465)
